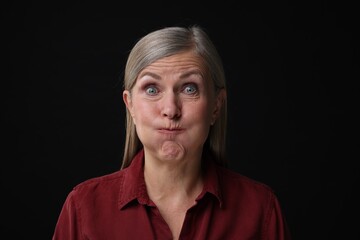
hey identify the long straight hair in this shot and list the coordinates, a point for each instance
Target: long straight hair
(163, 43)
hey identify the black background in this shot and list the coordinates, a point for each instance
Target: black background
(291, 72)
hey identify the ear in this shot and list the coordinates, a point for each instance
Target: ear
(220, 99)
(128, 102)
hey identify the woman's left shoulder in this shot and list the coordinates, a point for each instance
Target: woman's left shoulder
(230, 179)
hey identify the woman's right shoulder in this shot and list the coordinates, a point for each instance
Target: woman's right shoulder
(104, 184)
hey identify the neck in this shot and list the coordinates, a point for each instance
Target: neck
(166, 180)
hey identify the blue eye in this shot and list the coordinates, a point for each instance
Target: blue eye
(151, 90)
(190, 89)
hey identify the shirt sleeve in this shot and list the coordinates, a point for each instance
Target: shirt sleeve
(276, 227)
(68, 224)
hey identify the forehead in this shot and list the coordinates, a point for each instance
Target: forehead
(179, 63)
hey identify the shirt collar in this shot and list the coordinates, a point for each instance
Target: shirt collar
(211, 178)
(133, 186)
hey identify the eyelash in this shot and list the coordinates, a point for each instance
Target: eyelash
(149, 87)
(155, 90)
(193, 86)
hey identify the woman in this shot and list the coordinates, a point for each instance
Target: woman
(174, 183)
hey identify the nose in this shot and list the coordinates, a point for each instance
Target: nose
(171, 106)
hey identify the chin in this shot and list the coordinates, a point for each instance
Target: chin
(172, 150)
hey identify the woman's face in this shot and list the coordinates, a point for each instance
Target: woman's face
(173, 105)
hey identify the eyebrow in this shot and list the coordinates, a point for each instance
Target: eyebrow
(151, 74)
(193, 72)
(182, 76)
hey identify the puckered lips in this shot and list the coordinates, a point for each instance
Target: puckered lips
(171, 130)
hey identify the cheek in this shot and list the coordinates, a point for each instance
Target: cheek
(200, 113)
(143, 112)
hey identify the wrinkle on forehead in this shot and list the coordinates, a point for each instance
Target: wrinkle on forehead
(183, 64)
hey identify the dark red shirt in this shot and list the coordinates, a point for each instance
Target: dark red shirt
(117, 206)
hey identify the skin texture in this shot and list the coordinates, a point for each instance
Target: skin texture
(173, 105)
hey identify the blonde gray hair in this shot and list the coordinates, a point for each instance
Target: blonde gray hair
(163, 43)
